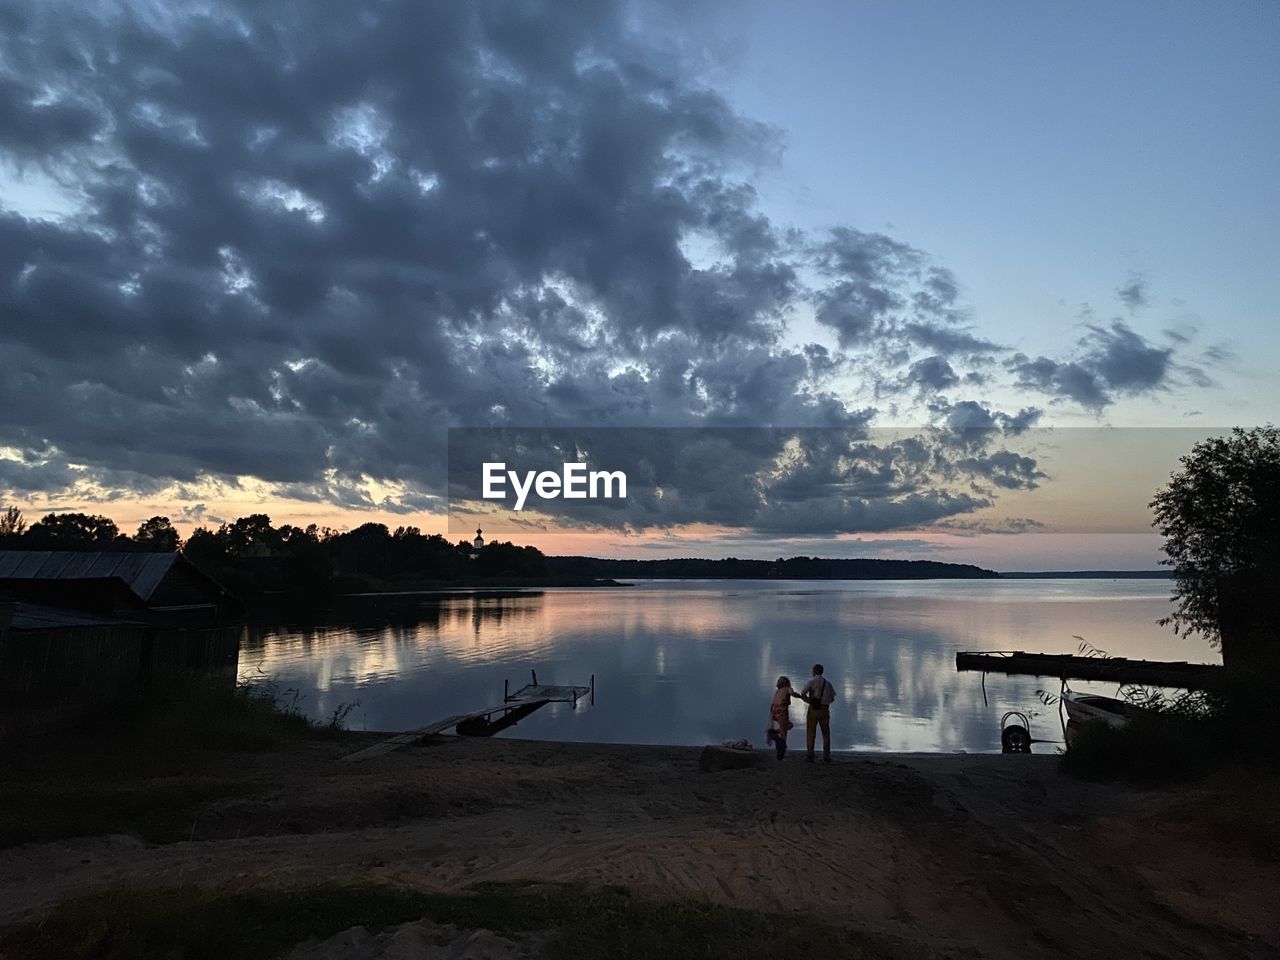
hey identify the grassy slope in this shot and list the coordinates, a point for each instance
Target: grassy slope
(145, 770)
(577, 923)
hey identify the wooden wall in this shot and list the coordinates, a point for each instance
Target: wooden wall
(54, 676)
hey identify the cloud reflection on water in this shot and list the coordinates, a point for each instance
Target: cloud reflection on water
(692, 662)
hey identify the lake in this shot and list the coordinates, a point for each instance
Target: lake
(693, 662)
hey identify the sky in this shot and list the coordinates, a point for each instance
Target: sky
(255, 258)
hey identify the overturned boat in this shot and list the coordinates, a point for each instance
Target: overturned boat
(1084, 707)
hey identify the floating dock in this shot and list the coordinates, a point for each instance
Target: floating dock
(1065, 666)
(489, 720)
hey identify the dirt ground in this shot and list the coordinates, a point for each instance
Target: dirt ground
(957, 855)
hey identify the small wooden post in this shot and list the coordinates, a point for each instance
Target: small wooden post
(534, 674)
(506, 690)
(593, 689)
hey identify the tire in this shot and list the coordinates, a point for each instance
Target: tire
(1015, 738)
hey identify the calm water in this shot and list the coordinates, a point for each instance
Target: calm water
(681, 662)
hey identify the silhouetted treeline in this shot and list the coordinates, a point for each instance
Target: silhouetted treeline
(83, 531)
(795, 568)
(252, 557)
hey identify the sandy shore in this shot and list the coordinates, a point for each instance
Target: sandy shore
(964, 855)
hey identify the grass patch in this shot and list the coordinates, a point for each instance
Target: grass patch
(579, 922)
(157, 811)
(245, 718)
(587, 922)
(191, 923)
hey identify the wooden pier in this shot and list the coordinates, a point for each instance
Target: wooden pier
(489, 720)
(1065, 666)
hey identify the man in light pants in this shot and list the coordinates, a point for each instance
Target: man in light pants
(819, 694)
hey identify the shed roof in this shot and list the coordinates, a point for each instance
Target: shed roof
(143, 572)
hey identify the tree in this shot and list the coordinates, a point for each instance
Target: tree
(158, 534)
(364, 551)
(505, 559)
(72, 531)
(1220, 517)
(11, 523)
(205, 550)
(251, 536)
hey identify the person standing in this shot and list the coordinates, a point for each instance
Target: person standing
(780, 716)
(819, 694)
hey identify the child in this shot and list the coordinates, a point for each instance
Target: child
(780, 716)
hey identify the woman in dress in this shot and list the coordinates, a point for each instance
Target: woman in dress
(780, 716)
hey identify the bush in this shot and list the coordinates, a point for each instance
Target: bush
(1182, 737)
(1147, 749)
(149, 768)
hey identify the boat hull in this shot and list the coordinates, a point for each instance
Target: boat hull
(1084, 708)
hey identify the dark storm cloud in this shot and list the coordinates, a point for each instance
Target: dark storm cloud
(26, 477)
(309, 241)
(807, 481)
(315, 240)
(1111, 361)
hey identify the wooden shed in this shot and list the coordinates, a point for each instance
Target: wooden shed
(158, 587)
(81, 631)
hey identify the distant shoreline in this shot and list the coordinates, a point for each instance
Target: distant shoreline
(1086, 574)
(791, 568)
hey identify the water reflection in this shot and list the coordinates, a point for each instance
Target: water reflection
(693, 662)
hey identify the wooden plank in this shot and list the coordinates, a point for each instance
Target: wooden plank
(440, 726)
(525, 700)
(1190, 676)
(490, 723)
(431, 729)
(542, 691)
(413, 736)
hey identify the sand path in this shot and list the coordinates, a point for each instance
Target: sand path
(958, 855)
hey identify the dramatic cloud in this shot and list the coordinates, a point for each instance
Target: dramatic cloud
(305, 242)
(811, 480)
(932, 374)
(880, 286)
(1111, 361)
